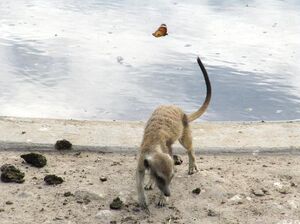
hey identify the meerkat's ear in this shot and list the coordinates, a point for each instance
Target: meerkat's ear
(147, 162)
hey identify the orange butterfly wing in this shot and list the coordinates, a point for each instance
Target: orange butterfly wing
(161, 31)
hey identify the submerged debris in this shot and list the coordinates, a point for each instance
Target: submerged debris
(35, 159)
(63, 145)
(11, 174)
(116, 203)
(53, 179)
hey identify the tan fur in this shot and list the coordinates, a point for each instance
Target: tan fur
(166, 125)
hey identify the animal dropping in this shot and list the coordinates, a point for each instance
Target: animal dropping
(161, 31)
(53, 179)
(63, 145)
(167, 124)
(11, 174)
(35, 159)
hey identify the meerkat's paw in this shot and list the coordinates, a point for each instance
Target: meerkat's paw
(193, 169)
(143, 205)
(146, 209)
(148, 187)
(162, 201)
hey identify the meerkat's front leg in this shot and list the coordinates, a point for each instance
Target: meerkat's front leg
(162, 200)
(140, 175)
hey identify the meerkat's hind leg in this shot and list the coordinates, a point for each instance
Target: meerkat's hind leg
(186, 142)
(192, 163)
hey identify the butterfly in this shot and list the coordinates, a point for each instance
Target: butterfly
(161, 31)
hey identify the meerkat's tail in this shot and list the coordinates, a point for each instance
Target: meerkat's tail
(205, 104)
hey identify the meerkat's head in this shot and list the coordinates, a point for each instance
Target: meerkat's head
(161, 168)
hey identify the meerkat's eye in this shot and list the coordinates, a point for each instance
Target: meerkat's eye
(159, 179)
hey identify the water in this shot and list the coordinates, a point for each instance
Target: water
(98, 60)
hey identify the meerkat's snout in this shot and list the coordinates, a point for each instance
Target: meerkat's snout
(161, 167)
(163, 185)
(167, 193)
(162, 172)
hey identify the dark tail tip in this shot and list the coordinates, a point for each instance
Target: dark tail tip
(199, 62)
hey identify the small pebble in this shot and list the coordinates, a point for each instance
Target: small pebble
(211, 213)
(293, 184)
(103, 179)
(258, 192)
(68, 194)
(196, 190)
(283, 190)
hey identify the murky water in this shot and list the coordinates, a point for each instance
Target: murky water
(98, 60)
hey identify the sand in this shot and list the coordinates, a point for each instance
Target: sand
(233, 189)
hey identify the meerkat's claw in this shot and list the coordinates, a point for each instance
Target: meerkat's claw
(144, 206)
(162, 201)
(148, 187)
(146, 209)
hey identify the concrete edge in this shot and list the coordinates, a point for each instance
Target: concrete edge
(24, 147)
(35, 119)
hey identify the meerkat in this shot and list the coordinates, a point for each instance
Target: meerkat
(167, 124)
